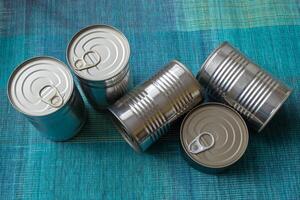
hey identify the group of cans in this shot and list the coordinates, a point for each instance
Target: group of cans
(213, 135)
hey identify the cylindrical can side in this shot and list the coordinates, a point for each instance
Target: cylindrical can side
(179, 87)
(264, 114)
(65, 123)
(118, 87)
(231, 77)
(144, 114)
(139, 118)
(104, 93)
(139, 122)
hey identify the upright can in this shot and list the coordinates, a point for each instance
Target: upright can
(213, 137)
(42, 89)
(99, 55)
(231, 77)
(143, 115)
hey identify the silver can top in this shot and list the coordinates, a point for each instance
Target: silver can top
(214, 136)
(40, 86)
(98, 53)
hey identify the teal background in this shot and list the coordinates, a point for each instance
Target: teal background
(98, 164)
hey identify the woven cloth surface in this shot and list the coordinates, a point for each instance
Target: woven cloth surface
(98, 164)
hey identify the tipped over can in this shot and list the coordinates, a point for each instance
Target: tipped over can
(43, 89)
(144, 114)
(99, 55)
(231, 77)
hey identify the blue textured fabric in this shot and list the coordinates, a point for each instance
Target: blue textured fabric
(98, 163)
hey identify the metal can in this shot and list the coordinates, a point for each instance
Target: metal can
(143, 115)
(42, 88)
(99, 55)
(213, 137)
(232, 78)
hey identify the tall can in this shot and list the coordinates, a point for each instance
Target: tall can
(42, 89)
(231, 77)
(99, 55)
(143, 115)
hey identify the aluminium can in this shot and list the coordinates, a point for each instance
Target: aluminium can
(99, 55)
(232, 78)
(42, 89)
(213, 137)
(143, 115)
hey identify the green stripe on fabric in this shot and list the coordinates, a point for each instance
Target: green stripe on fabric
(192, 15)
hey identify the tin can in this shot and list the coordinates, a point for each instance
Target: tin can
(213, 137)
(99, 55)
(143, 115)
(42, 89)
(232, 78)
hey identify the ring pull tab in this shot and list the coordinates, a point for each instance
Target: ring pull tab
(50, 95)
(82, 63)
(196, 147)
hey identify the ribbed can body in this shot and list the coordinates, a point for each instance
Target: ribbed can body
(231, 77)
(143, 115)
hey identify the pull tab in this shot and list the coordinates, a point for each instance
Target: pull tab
(82, 63)
(50, 95)
(196, 147)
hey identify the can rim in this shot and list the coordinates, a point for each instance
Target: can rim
(88, 28)
(219, 104)
(274, 111)
(124, 131)
(204, 66)
(19, 67)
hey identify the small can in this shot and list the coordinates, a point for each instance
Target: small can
(99, 55)
(232, 78)
(143, 115)
(42, 89)
(213, 137)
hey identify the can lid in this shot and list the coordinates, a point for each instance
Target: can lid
(98, 52)
(40, 86)
(214, 136)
